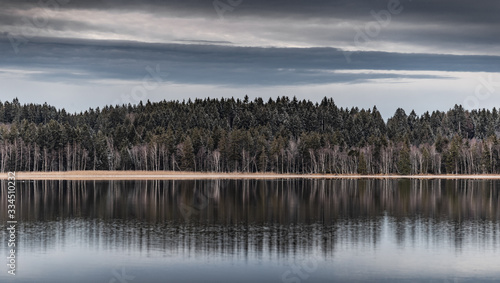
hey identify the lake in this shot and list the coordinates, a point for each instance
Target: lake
(255, 231)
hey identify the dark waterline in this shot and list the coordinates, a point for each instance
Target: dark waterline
(256, 231)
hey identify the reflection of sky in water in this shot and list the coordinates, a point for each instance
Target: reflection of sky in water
(253, 231)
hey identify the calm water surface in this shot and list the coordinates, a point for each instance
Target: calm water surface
(255, 231)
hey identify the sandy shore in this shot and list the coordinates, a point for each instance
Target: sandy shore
(171, 175)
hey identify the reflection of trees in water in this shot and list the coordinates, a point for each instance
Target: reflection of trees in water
(256, 217)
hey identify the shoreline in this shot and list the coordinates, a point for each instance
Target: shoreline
(176, 175)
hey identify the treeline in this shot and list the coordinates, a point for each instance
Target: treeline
(227, 135)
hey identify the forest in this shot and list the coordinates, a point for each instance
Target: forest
(238, 135)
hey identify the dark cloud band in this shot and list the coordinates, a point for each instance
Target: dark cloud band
(71, 59)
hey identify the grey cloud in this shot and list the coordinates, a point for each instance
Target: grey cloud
(439, 11)
(446, 25)
(204, 41)
(77, 60)
(214, 52)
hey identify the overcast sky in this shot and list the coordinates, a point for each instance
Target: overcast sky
(422, 55)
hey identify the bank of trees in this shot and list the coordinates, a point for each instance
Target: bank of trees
(227, 135)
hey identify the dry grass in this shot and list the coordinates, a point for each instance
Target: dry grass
(175, 175)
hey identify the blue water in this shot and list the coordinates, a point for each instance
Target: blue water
(255, 231)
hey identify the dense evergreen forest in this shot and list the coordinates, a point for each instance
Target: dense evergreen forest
(227, 135)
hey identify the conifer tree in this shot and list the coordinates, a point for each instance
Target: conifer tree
(187, 161)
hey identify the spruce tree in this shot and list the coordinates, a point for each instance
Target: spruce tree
(404, 165)
(362, 168)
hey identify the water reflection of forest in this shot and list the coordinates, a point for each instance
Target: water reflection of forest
(257, 216)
